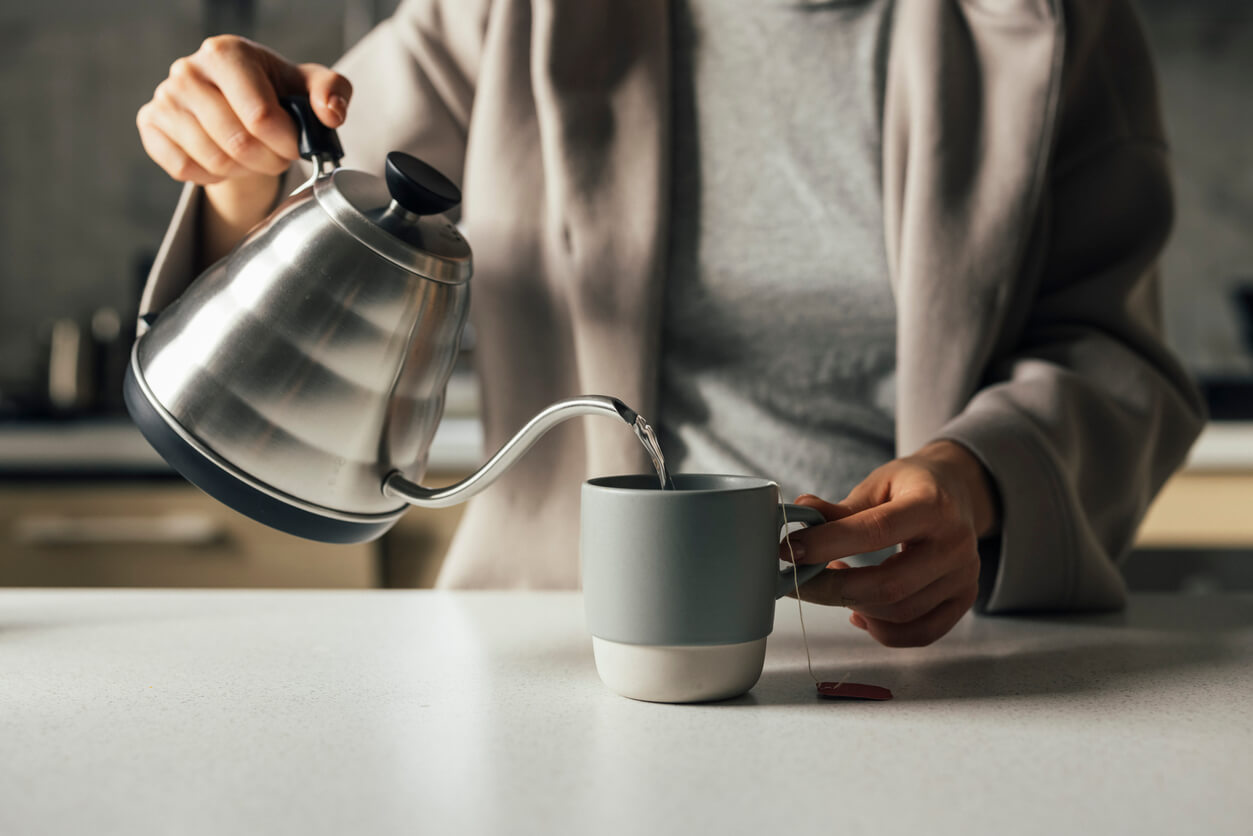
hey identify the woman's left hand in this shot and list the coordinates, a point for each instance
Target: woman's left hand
(936, 504)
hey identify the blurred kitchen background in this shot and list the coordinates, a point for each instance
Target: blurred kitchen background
(84, 502)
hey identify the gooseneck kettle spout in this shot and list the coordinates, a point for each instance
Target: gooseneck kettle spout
(397, 485)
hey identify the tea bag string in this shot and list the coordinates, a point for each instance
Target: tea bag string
(800, 611)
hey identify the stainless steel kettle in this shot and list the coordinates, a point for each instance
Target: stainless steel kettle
(301, 378)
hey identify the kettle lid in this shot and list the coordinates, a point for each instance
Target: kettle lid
(400, 216)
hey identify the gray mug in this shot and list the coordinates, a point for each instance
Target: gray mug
(679, 585)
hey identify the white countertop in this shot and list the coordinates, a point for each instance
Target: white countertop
(462, 713)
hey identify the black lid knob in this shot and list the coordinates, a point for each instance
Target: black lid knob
(419, 187)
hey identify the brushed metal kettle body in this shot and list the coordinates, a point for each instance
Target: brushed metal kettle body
(301, 378)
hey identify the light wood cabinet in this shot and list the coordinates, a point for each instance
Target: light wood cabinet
(161, 533)
(412, 552)
(1201, 509)
(166, 533)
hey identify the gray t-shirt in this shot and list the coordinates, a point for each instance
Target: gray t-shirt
(779, 330)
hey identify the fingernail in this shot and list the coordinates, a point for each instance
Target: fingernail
(337, 105)
(857, 621)
(798, 549)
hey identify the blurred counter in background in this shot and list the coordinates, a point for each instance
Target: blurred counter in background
(87, 502)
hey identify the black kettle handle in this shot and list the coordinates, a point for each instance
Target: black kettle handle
(317, 142)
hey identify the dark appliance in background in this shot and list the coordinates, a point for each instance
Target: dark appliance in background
(82, 355)
(67, 334)
(1230, 397)
(81, 361)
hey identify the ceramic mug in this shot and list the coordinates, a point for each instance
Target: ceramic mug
(679, 585)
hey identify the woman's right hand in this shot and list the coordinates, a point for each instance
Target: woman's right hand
(216, 120)
(217, 115)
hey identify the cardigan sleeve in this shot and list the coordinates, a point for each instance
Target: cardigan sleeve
(1087, 413)
(413, 80)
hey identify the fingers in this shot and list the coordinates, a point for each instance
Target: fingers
(238, 104)
(954, 575)
(895, 504)
(791, 547)
(917, 594)
(245, 79)
(922, 631)
(181, 128)
(868, 530)
(912, 598)
(329, 92)
(899, 577)
(905, 574)
(838, 564)
(218, 115)
(830, 510)
(170, 156)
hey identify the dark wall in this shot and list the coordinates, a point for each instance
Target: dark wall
(1205, 56)
(81, 206)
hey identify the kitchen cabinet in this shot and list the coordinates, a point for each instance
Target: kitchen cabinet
(141, 529)
(168, 534)
(1201, 510)
(91, 504)
(158, 533)
(411, 553)
(1209, 503)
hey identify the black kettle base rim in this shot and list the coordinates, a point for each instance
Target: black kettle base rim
(234, 492)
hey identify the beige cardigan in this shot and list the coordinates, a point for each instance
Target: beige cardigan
(1026, 197)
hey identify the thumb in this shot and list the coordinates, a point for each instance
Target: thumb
(830, 510)
(329, 93)
(875, 489)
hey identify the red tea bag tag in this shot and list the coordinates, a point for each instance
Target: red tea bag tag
(852, 691)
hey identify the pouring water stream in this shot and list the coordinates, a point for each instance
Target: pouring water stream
(644, 432)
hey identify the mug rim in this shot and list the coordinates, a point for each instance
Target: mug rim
(745, 483)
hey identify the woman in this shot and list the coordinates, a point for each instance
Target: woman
(1017, 180)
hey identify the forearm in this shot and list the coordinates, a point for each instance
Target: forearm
(230, 209)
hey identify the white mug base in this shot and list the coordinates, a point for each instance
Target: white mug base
(679, 673)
